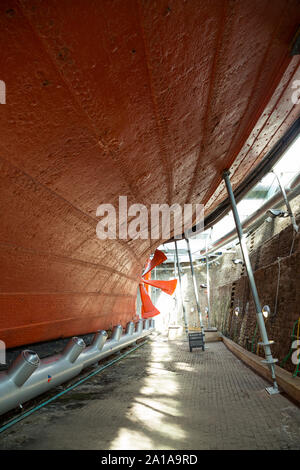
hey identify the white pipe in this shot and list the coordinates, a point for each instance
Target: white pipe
(29, 376)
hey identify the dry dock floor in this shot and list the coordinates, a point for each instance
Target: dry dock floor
(164, 397)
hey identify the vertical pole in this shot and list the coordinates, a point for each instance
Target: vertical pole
(181, 293)
(176, 297)
(154, 290)
(260, 319)
(195, 286)
(287, 202)
(208, 285)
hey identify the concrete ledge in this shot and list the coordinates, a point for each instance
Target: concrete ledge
(289, 384)
(211, 336)
(174, 332)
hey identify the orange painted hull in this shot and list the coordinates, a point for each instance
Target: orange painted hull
(149, 99)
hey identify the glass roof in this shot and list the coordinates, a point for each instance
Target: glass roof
(288, 167)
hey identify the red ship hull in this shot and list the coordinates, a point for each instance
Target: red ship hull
(152, 100)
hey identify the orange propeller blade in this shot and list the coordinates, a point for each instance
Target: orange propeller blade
(148, 309)
(150, 315)
(166, 286)
(147, 277)
(158, 258)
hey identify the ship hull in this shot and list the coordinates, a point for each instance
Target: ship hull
(147, 100)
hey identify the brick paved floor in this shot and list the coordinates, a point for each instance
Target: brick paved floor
(164, 397)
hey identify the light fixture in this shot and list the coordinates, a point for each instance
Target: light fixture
(237, 261)
(266, 311)
(277, 213)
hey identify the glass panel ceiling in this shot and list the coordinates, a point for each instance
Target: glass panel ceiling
(288, 167)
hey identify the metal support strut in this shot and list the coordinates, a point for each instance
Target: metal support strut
(270, 361)
(180, 288)
(208, 282)
(287, 202)
(195, 287)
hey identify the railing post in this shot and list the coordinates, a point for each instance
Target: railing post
(180, 288)
(195, 286)
(260, 320)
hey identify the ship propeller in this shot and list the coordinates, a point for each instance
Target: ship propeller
(148, 309)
